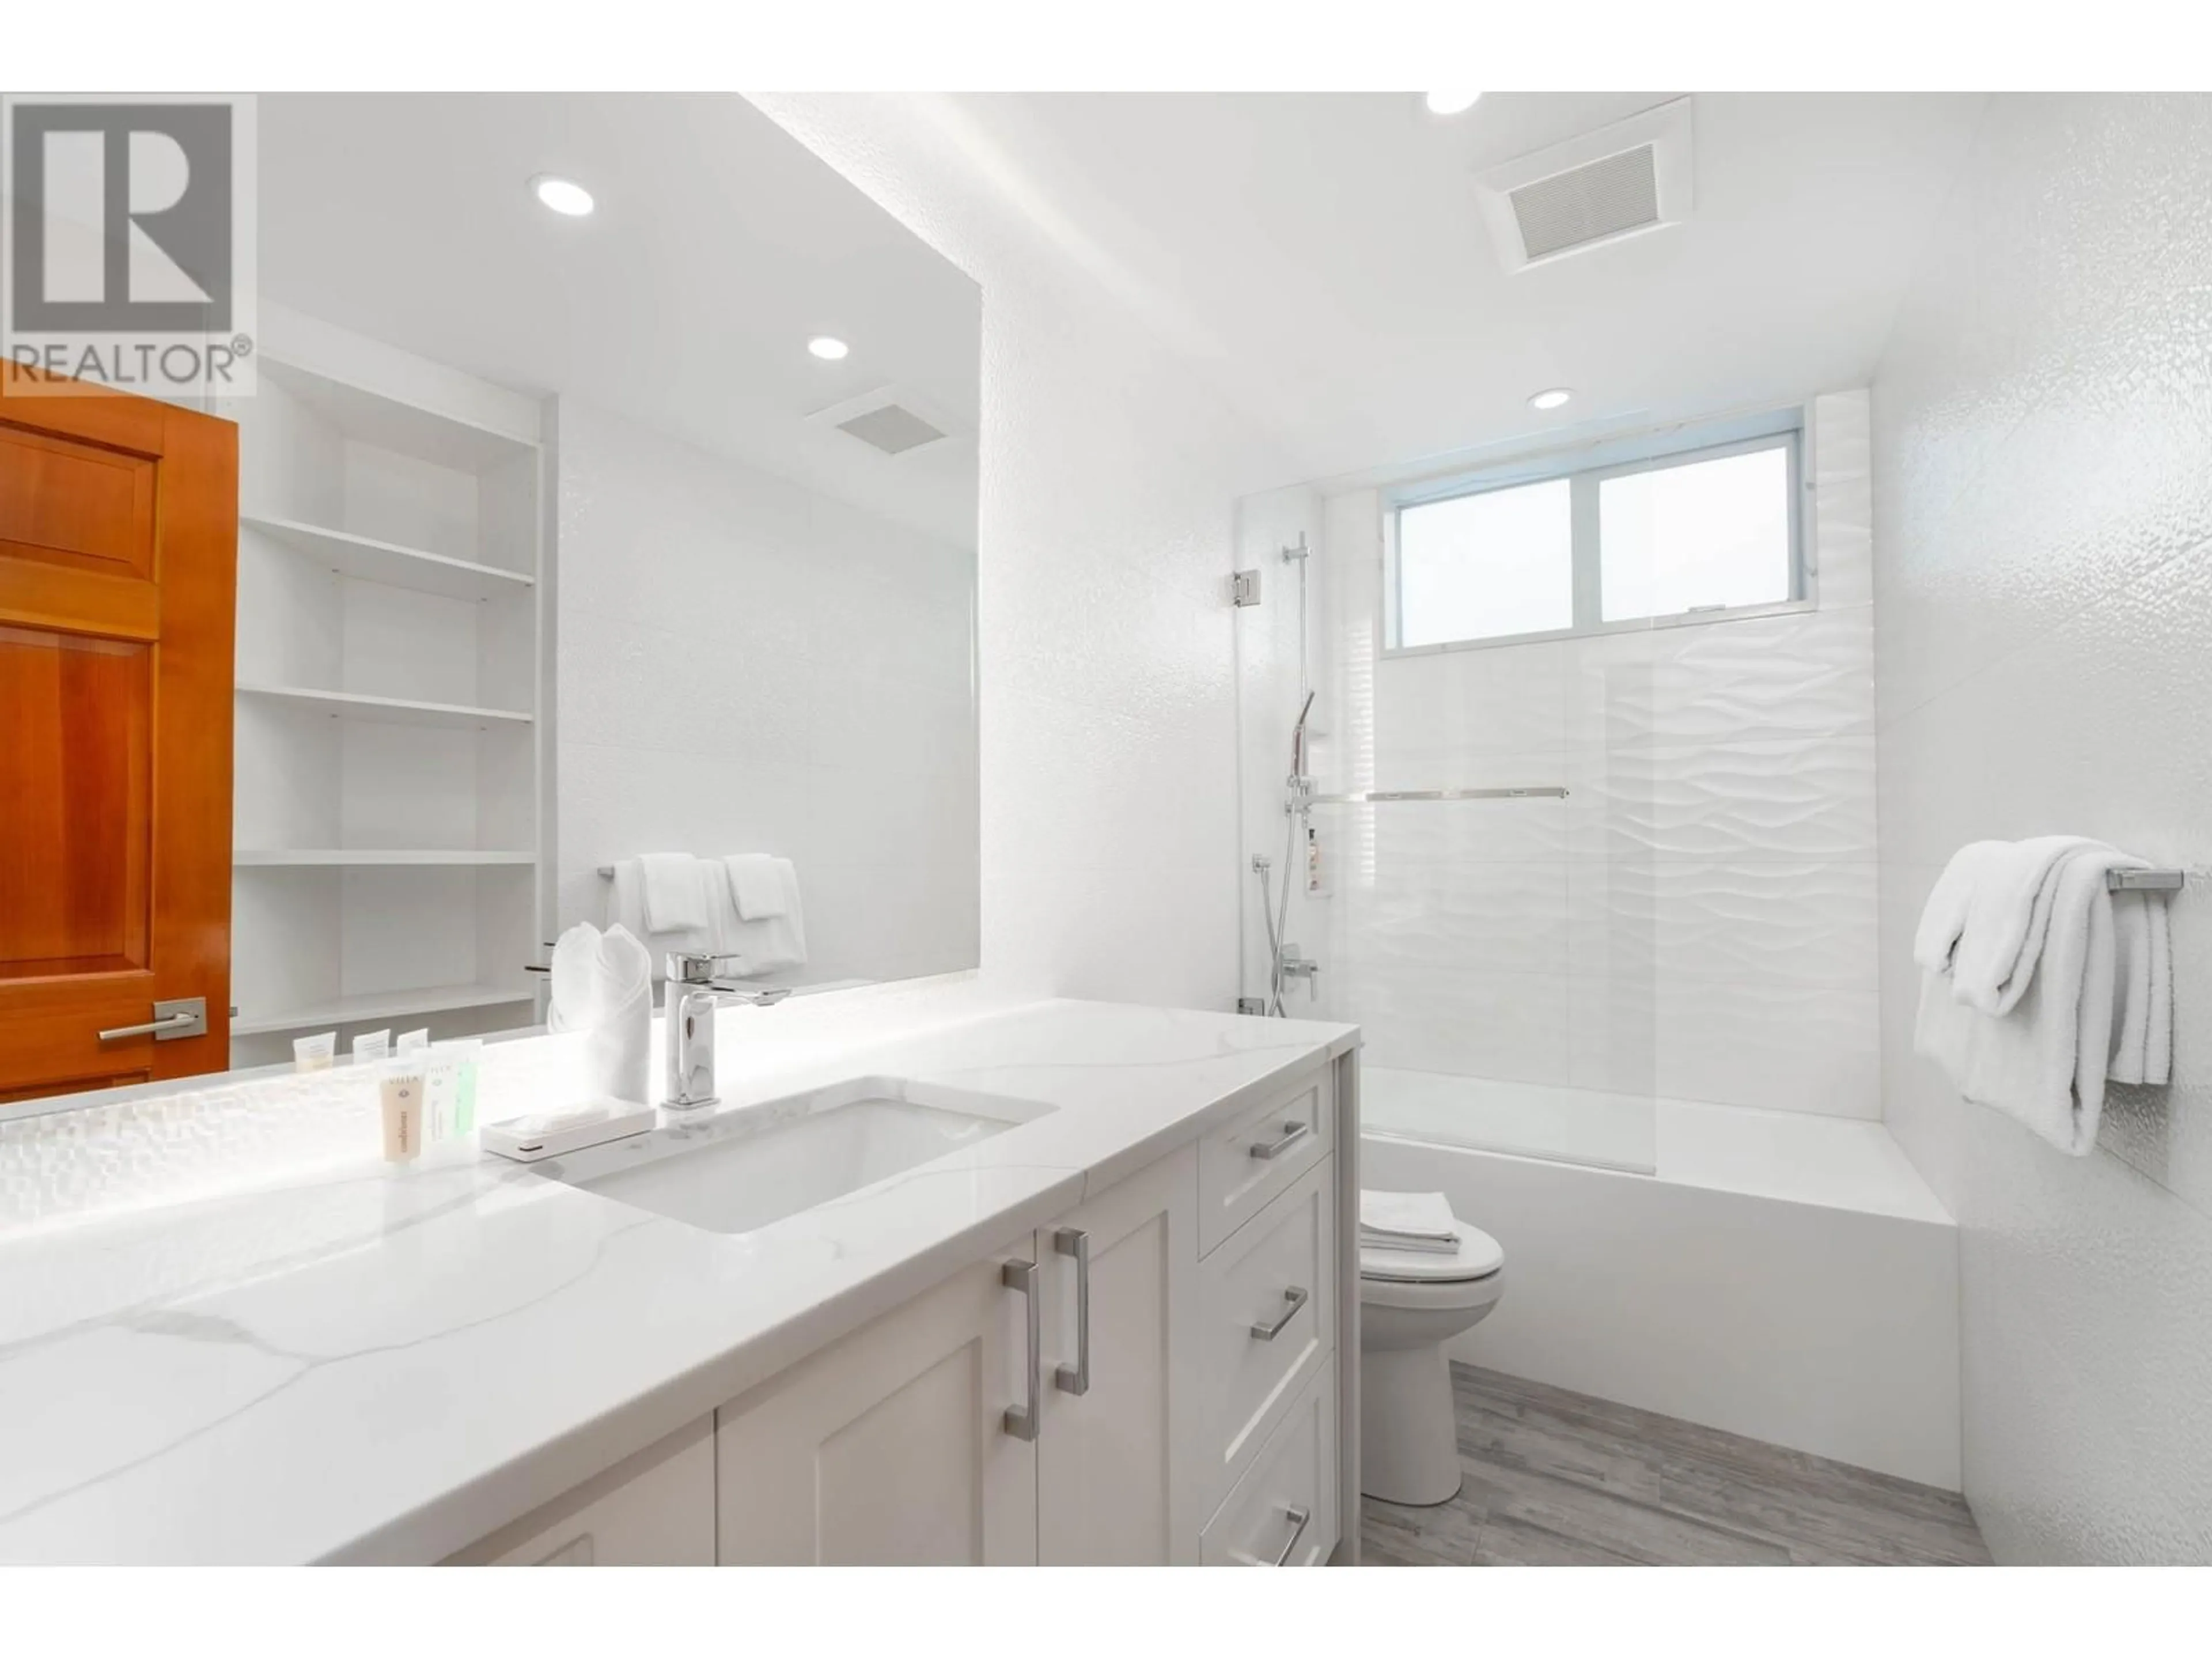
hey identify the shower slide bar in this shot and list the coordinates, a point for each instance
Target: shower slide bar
(1372, 797)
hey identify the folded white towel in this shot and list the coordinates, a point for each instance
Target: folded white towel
(2008, 916)
(2044, 1060)
(2142, 1013)
(773, 944)
(1410, 1215)
(603, 988)
(674, 890)
(1944, 918)
(762, 884)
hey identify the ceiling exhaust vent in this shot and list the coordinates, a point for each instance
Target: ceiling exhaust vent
(1606, 186)
(886, 420)
(894, 428)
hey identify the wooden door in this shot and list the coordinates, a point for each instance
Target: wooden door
(888, 1448)
(1117, 1479)
(119, 551)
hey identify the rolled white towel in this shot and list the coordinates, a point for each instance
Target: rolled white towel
(603, 988)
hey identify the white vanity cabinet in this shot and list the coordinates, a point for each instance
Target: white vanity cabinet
(1151, 1380)
(1117, 1397)
(889, 1447)
(656, 1509)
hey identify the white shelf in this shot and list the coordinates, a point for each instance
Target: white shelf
(391, 711)
(397, 423)
(381, 1004)
(372, 561)
(341, 857)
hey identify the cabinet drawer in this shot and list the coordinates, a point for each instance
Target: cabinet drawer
(1284, 1511)
(1246, 1163)
(1268, 1322)
(655, 1510)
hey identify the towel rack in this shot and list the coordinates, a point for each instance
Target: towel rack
(1369, 797)
(2144, 881)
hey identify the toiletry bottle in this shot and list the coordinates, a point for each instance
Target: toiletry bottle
(316, 1052)
(372, 1048)
(400, 1095)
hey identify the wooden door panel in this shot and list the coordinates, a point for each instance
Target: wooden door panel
(119, 546)
(65, 502)
(77, 775)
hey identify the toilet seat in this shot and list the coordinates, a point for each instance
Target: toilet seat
(1479, 1256)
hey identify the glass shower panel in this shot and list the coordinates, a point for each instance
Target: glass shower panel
(1467, 851)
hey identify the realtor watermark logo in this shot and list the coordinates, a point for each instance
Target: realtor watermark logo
(127, 243)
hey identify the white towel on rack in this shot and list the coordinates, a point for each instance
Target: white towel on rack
(626, 909)
(2016, 884)
(2044, 1060)
(675, 892)
(1944, 918)
(2142, 1012)
(772, 944)
(761, 884)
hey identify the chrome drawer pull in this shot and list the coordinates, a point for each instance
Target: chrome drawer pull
(1021, 1421)
(1294, 1299)
(1292, 1133)
(1076, 1378)
(1298, 1518)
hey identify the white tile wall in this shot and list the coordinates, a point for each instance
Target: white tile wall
(1110, 471)
(1696, 919)
(746, 665)
(2043, 427)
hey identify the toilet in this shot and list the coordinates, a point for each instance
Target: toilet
(1410, 1305)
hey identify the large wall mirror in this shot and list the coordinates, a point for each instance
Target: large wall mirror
(607, 492)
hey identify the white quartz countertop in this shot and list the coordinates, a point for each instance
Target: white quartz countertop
(361, 1364)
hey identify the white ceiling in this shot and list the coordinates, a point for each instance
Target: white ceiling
(719, 245)
(1323, 257)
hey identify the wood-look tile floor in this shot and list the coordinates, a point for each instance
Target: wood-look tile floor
(1554, 1479)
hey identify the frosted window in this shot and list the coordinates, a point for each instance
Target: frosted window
(1702, 536)
(1478, 567)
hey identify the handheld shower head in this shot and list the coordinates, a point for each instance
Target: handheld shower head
(1299, 739)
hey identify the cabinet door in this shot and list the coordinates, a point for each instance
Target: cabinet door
(1115, 1482)
(888, 1448)
(655, 1510)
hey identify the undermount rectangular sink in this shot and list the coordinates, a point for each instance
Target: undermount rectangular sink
(736, 1170)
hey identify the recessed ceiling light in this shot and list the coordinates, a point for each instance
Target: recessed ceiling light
(562, 195)
(1450, 103)
(828, 347)
(1557, 398)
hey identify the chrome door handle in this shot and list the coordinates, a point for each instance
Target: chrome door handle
(1292, 1133)
(1294, 1299)
(1076, 1378)
(1021, 1421)
(182, 1017)
(1298, 1518)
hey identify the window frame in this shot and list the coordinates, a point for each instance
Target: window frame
(1584, 470)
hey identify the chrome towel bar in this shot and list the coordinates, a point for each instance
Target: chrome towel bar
(2144, 881)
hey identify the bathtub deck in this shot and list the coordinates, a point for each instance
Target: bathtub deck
(1555, 1478)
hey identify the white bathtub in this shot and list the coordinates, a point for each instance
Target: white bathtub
(1779, 1274)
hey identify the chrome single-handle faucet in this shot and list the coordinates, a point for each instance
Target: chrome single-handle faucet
(694, 993)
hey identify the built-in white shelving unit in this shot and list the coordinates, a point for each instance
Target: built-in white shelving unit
(389, 820)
